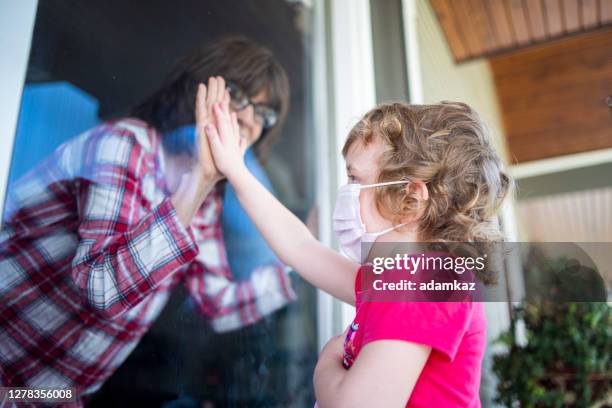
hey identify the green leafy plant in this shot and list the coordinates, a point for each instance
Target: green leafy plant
(564, 358)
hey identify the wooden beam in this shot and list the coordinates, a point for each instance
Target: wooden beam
(589, 13)
(519, 21)
(473, 40)
(535, 17)
(606, 11)
(501, 20)
(553, 97)
(571, 15)
(554, 19)
(487, 28)
(482, 25)
(452, 32)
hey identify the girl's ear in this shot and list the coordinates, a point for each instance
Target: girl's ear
(418, 189)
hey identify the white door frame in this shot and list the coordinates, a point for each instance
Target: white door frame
(16, 27)
(344, 89)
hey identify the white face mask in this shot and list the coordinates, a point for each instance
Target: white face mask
(347, 220)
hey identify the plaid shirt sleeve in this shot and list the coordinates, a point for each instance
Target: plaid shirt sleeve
(125, 249)
(231, 304)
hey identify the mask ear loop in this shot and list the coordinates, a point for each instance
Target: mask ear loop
(386, 183)
(383, 232)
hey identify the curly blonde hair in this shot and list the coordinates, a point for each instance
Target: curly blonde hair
(447, 146)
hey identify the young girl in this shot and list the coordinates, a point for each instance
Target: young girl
(416, 173)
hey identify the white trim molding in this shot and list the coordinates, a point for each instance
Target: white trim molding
(561, 163)
(322, 130)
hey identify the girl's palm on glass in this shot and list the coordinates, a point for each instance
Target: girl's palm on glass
(227, 145)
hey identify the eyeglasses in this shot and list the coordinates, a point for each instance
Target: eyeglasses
(266, 115)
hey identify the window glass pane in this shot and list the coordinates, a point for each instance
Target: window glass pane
(111, 299)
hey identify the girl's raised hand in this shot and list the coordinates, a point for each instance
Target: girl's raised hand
(226, 144)
(205, 99)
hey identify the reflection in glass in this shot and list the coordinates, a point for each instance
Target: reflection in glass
(131, 348)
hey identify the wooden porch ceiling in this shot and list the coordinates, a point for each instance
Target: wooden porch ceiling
(477, 28)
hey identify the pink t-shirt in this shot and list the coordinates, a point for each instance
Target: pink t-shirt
(456, 332)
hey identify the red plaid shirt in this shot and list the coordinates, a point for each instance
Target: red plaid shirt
(91, 247)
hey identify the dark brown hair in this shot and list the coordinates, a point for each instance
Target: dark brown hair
(240, 60)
